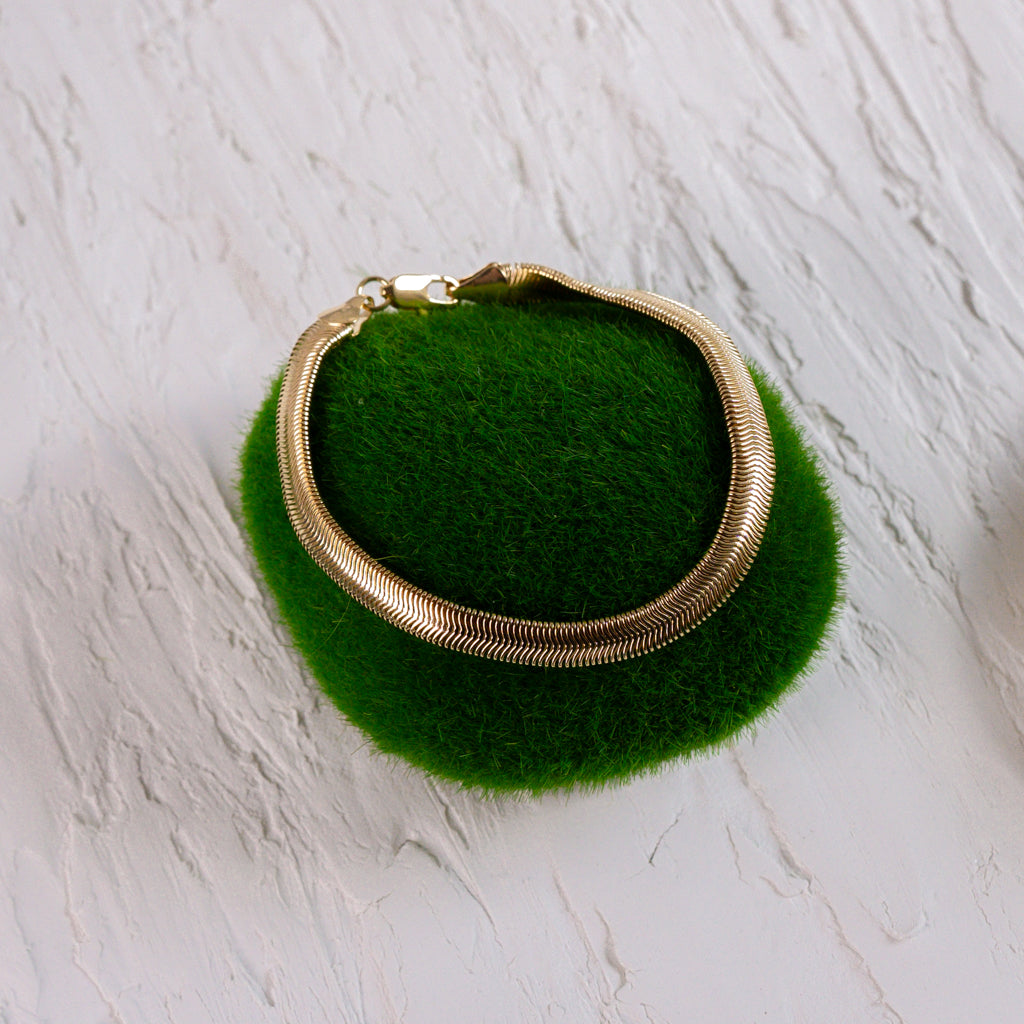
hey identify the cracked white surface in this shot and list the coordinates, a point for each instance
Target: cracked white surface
(187, 831)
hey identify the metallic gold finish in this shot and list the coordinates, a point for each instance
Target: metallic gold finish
(383, 285)
(522, 641)
(413, 291)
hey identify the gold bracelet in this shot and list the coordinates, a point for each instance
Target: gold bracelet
(523, 641)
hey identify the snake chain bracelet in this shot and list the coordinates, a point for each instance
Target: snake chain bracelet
(523, 641)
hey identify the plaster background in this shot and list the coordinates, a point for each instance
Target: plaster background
(188, 832)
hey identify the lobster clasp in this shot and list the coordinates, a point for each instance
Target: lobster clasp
(421, 291)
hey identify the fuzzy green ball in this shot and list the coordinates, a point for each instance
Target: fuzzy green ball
(557, 462)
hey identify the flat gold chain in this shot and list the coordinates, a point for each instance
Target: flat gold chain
(503, 638)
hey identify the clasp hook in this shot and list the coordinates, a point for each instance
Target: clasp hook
(420, 291)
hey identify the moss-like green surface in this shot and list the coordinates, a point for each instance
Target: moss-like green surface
(549, 462)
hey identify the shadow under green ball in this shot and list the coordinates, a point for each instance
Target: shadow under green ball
(554, 462)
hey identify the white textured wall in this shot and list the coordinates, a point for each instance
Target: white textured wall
(187, 831)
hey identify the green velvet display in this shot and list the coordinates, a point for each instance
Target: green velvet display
(556, 462)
